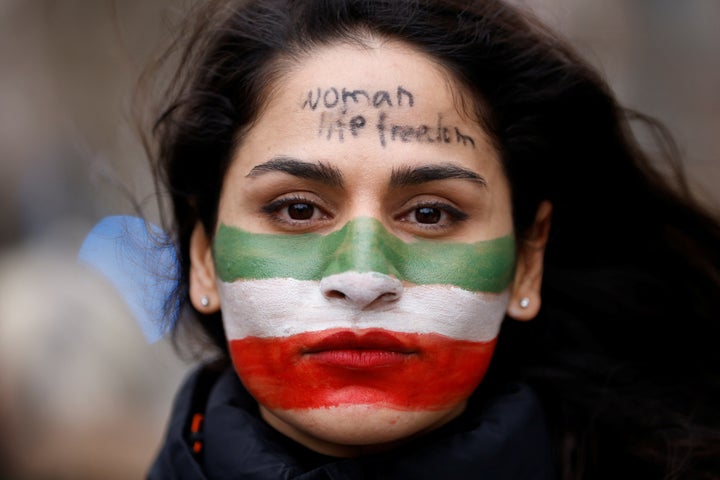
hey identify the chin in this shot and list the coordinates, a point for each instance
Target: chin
(351, 430)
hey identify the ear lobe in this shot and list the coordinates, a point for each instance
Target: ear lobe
(203, 286)
(525, 296)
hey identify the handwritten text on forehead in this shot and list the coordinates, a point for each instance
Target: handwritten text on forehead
(337, 123)
(339, 98)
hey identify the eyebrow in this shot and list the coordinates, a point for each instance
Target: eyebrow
(408, 176)
(318, 172)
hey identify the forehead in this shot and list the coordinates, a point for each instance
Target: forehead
(374, 69)
(383, 100)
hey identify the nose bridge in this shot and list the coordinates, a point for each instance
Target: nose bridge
(364, 246)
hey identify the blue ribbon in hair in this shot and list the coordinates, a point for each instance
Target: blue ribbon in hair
(139, 259)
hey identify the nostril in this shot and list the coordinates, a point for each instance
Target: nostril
(388, 297)
(361, 289)
(335, 294)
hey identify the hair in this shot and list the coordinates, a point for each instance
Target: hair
(623, 352)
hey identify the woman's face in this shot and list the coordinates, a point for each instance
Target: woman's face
(365, 254)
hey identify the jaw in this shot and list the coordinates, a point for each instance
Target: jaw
(352, 430)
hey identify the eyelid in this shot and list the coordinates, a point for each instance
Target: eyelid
(279, 199)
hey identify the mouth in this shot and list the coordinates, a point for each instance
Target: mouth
(359, 350)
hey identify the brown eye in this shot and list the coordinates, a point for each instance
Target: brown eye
(428, 215)
(300, 211)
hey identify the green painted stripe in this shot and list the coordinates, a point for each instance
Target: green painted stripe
(364, 245)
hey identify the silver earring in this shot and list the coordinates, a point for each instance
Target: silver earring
(524, 302)
(205, 301)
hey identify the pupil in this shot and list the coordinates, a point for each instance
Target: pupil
(300, 211)
(427, 215)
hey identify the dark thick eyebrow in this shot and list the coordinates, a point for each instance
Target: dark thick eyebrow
(319, 172)
(408, 176)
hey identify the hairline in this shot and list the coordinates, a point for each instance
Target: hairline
(283, 64)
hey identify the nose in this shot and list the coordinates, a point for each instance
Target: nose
(361, 290)
(364, 245)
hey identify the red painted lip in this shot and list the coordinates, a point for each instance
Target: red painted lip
(436, 371)
(349, 349)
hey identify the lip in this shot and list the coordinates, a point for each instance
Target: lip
(356, 350)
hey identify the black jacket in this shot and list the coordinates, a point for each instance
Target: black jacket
(500, 437)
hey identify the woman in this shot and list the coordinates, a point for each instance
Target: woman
(364, 190)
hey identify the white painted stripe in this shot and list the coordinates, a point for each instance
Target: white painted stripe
(280, 307)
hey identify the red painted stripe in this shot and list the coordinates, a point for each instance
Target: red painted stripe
(404, 371)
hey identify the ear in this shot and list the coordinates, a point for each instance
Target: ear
(202, 272)
(525, 296)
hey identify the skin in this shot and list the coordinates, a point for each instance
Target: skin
(366, 164)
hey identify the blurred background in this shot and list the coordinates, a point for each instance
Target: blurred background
(82, 394)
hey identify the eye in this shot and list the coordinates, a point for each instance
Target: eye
(428, 215)
(300, 211)
(432, 216)
(295, 211)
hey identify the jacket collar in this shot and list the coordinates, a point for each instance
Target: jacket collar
(500, 436)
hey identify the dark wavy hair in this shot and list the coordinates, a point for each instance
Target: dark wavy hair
(624, 351)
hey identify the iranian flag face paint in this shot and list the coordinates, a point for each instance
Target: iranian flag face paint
(359, 317)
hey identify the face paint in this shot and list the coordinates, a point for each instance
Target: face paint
(428, 372)
(295, 349)
(363, 245)
(304, 332)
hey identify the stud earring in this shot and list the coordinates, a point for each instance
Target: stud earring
(524, 302)
(205, 301)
